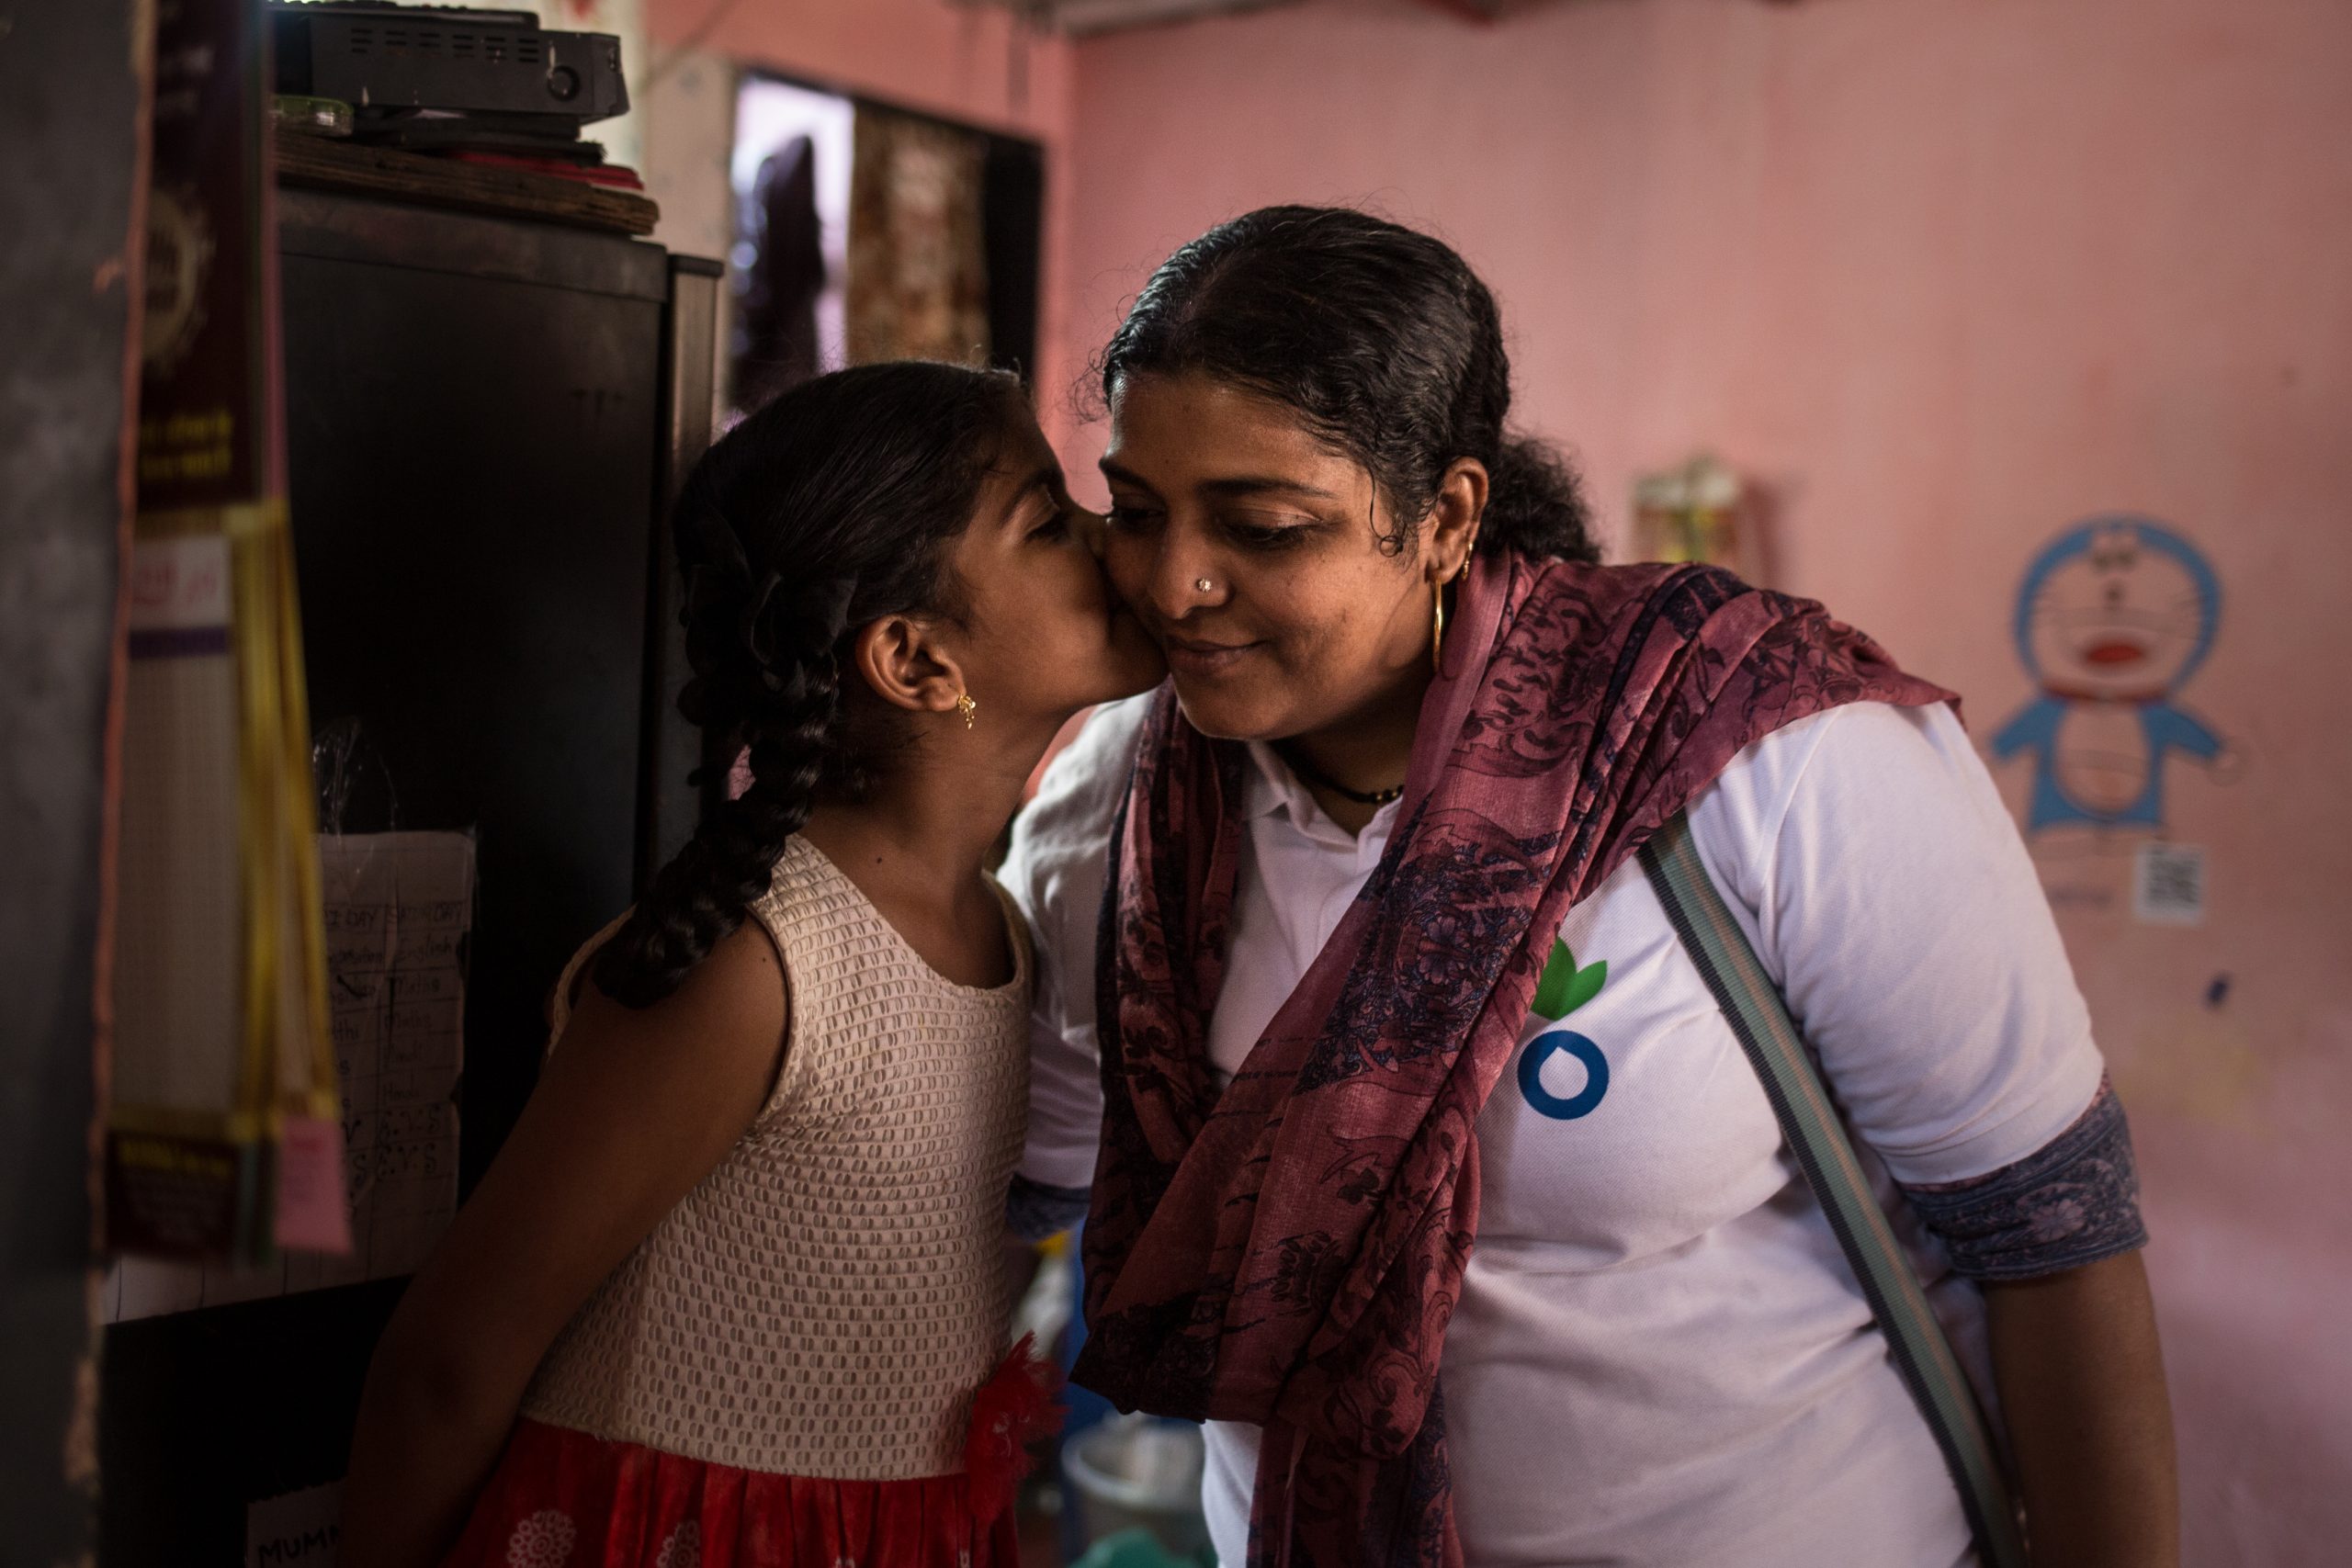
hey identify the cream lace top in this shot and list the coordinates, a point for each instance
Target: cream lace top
(826, 1301)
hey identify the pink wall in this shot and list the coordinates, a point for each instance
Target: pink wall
(1945, 277)
(965, 63)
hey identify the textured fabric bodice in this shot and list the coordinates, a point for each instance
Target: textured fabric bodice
(826, 1301)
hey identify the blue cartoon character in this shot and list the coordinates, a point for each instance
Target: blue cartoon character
(2112, 620)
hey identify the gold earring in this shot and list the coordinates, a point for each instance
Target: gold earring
(967, 705)
(1437, 629)
(1437, 596)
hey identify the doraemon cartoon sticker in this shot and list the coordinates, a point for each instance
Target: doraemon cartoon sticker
(2112, 620)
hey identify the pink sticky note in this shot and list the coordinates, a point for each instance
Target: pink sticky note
(311, 1216)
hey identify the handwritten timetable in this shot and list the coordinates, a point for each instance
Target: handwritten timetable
(398, 909)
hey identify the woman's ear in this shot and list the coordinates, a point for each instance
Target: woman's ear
(1454, 518)
(902, 660)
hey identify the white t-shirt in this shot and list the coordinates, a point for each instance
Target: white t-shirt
(1661, 1356)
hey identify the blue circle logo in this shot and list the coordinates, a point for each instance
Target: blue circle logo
(1531, 1075)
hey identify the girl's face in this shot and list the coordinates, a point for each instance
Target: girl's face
(1043, 636)
(1305, 625)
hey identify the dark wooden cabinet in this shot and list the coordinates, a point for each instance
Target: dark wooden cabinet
(486, 418)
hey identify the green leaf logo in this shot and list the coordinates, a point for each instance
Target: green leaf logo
(1565, 987)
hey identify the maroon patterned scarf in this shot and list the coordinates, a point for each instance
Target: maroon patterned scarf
(1289, 1254)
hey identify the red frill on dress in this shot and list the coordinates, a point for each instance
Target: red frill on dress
(1013, 1409)
(566, 1499)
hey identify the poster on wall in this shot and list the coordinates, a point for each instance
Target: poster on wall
(2114, 619)
(918, 284)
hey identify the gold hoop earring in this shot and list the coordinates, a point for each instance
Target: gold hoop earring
(1437, 627)
(967, 705)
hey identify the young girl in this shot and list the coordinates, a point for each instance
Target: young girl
(737, 1270)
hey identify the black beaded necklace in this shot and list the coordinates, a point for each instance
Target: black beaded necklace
(1313, 775)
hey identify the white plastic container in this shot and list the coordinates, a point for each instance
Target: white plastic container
(1137, 1471)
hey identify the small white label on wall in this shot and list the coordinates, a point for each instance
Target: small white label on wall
(296, 1531)
(2168, 885)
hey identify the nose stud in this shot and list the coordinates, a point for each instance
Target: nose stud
(1203, 584)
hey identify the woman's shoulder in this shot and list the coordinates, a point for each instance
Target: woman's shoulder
(1069, 820)
(1057, 863)
(1867, 755)
(1085, 783)
(1831, 787)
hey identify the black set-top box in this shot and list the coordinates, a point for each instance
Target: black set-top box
(400, 59)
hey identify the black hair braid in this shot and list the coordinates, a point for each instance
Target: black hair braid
(826, 510)
(1381, 339)
(787, 726)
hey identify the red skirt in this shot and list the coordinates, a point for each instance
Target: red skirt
(564, 1499)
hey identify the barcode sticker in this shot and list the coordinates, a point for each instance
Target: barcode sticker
(2168, 885)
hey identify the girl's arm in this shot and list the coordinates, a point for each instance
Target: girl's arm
(2083, 1390)
(632, 1111)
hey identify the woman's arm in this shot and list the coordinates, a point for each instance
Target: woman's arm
(633, 1109)
(2082, 1387)
(1912, 937)
(2054, 1241)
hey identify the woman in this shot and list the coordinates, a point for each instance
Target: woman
(1367, 855)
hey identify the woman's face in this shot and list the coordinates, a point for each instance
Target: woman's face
(1306, 625)
(1043, 636)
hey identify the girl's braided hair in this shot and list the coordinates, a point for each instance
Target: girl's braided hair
(830, 508)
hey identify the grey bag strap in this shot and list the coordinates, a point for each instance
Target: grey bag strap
(1809, 1122)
